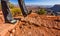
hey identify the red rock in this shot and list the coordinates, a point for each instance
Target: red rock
(32, 25)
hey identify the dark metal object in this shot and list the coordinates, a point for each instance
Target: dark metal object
(6, 11)
(23, 7)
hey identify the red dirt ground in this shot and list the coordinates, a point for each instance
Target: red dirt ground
(32, 25)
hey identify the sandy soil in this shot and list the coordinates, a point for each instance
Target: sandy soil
(32, 25)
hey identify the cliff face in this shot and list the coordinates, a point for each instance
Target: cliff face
(56, 8)
(32, 25)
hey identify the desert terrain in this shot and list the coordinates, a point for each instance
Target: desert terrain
(32, 25)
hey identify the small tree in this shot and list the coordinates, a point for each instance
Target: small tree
(41, 11)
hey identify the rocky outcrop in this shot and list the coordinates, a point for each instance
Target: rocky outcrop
(33, 25)
(56, 8)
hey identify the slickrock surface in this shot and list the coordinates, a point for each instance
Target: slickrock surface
(32, 25)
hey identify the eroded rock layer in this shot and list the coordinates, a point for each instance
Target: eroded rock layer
(33, 25)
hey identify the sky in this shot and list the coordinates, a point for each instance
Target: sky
(38, 2)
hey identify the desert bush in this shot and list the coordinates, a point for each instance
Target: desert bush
(41, 11)
(11, 5)
(16, 11)
(0, 6)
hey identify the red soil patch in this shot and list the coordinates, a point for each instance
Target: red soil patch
(32, 25)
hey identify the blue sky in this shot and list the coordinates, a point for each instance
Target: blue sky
(38, 2)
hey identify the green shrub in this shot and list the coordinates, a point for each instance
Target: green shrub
(11, 5)
(16, 11)
(41, 11)
(0, 6)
